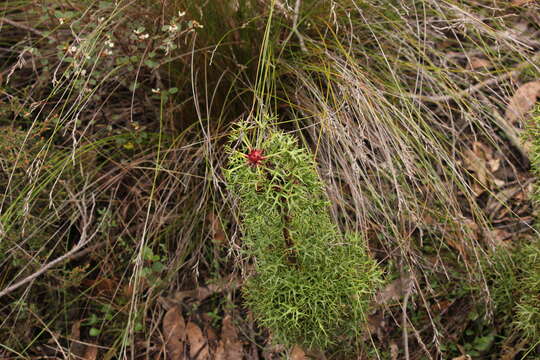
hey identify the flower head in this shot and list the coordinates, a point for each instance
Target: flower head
(255, 157)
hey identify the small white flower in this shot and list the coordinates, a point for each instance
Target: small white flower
(72, 49)
(195, 24)
(101, 19)
(108, 52)
(144, 36)
(61, 20)
(156, 90)
(181, 13)
(173, 28)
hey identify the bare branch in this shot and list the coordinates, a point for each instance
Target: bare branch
(24, 27)
(85, 239)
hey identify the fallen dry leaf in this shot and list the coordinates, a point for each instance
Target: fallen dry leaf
(522, 2)
(522, 102)
(376, 325)
(211, 335)
(479, 63)
(440, 307)
(483, 162)
(297, 353)
(198, 346)
(102, 286)
(229, 347)
(76, 347)
(76, 330)
(501, 200)
(91, 352)
(499, 238)
(394, 290)
(79, 349)
(174, 330)
(202, 292)
(127, 290)
(218, 234)
(272, 351)
(394, 350)
(510, 352)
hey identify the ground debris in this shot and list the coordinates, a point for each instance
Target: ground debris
(229, 346)
(174, 331)
(522, 102)
(198, 344)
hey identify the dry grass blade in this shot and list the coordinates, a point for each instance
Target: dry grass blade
(113, 116)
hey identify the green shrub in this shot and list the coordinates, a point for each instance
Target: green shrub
(527, 318)
(527, 310)
(515, 274)
(515, 284)
(312, 285)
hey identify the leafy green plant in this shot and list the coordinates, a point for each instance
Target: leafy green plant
(514, 277)
(154, 265)
(527, 318)
(515, 285)
(311, 285)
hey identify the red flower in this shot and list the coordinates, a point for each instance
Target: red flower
(255, 157)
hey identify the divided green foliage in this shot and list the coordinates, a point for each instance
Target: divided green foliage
(515, 285)
(533, 135)
(515, 275)
(527, 317)
(312, 285)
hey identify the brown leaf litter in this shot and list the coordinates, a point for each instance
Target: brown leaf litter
(174, 331)
(229, 346)
(198, 344)
(522, 102)
(80, 349)
(297, 353)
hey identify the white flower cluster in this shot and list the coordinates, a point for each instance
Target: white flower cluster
(141, 34)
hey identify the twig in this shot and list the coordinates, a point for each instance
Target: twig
(44, 269)
(408, 291)
(295, 26)
(86, 220)
(480, 85)
(24, 27)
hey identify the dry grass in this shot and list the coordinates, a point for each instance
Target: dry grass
(395, 100)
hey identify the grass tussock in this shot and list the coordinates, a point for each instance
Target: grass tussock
(115, 120)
